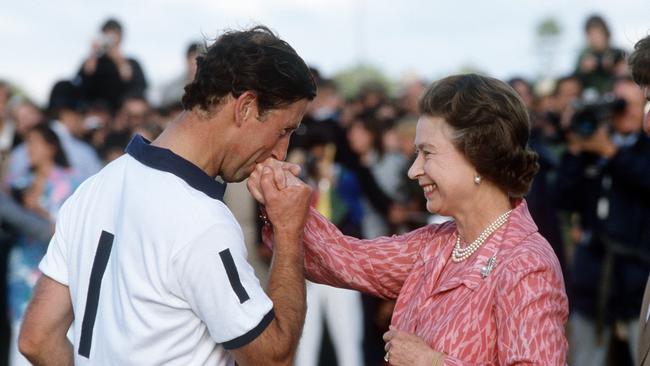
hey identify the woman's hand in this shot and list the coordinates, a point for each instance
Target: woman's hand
(405, 349)
(282, 180)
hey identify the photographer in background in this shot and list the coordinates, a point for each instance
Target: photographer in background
(605, 180)
(599, 62)
(107, 74)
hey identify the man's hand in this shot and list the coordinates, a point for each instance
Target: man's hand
(287, 201)
(286, 207)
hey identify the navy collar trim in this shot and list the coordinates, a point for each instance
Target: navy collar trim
(164, 159)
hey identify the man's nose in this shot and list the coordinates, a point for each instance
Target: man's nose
(279, 152)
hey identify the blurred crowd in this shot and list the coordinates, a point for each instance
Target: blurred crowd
(590, 198)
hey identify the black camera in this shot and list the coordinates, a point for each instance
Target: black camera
(588, 116)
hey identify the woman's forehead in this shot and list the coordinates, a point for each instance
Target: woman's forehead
(431, 128)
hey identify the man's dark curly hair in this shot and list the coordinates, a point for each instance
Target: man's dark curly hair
(252, 60)
(639, 61)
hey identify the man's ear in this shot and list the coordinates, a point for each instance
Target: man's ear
(245, 107)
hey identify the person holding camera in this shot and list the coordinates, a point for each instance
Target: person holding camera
(599, 62)
(605, 180)
(107, 74)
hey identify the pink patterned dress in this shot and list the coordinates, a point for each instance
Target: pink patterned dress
(515, 315)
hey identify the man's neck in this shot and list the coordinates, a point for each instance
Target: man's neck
(194, 140)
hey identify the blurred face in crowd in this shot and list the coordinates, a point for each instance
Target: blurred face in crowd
(444, 174)
(326, 103)
(567, 91)
(597, 39)
(630, 120)
(524, 92)
(39, 151)
(113, 37)
(411, 95)
(74, 120)
(26, 116)
(135, 112)
(261, 137)
(360, 139)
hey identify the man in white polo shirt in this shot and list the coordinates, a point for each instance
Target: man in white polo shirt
(147, 263)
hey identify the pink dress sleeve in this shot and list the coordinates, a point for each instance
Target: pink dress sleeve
(375, 266)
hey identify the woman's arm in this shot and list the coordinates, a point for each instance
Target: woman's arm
(376, 266)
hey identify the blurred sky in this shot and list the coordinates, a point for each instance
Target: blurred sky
(44, 41)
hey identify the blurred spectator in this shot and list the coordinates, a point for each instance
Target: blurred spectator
(134, 112)
(524, 89)
(568, 90)
(322, 110)
(173, 92)
(409, 192)
(604, 178)
(336, 196)
(68, 124)
(97, 120)
(107, 74)
(541, 205)
(114, 144)
(365, 138)
(7, 128)
(25, 115)
(373, 95)
(22, 220)
(42, 190)
(599, 61)
(409, 96)
(149, 130)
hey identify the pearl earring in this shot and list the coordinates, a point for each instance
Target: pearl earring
(477, 179)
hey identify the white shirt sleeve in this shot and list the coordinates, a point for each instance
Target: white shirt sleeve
(214, 277)
(55, 262)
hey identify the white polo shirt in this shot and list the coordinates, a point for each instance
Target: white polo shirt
(156, 265)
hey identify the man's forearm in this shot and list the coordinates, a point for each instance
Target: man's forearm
(287, 288)
(57, 352)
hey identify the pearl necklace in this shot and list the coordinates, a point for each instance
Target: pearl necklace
(460, 254)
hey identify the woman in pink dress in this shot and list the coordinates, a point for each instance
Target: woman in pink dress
(483, 289)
